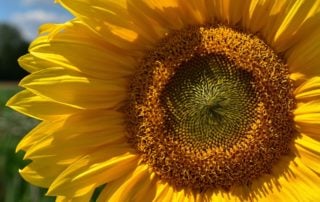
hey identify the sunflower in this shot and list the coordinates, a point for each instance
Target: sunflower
(199, 100)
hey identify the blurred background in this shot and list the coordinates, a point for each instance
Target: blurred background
(19, 22)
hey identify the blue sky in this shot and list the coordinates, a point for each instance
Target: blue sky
(28, 15)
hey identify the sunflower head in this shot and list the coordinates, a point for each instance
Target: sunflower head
(174, 100)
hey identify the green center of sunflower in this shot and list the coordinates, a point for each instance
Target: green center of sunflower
(209, 102)
(211, 107)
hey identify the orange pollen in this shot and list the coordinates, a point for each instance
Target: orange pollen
(211, 107)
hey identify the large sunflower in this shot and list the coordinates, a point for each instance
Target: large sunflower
(176, 100)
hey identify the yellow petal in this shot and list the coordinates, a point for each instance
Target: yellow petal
(226, 11)
(297, 77)
(98, 59)
(192, 12)
(166, 13)
(51, 28)
(38, 107)
(254, 14)
(183, 195)
(302, 184)
(147, 28)
(309, 94)
(309, 152)
(307, 149)
(309, 89)
(309, 144)
(41, 131)
(138, 185)
(104, 10)
(312, 118)
(307, 113)
(155, 18)
(282, 24)
(42, 172)
(147, 190)
(298, 19)
(74, 89)
(99, 167)
(308, 108)
(220, 196)
(161, 190)
(164, 192)
(304, 56)
(75, 135)
(110, 21)
(290, 180)
(83, 198)
(311, 130)
(31, 64)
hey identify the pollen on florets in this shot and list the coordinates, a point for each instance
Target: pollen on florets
(211, 107)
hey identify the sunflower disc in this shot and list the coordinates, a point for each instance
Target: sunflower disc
(211, 107)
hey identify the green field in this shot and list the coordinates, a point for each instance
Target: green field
(12, 128)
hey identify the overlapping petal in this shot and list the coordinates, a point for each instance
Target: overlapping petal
(64, 48)
(137, 185)
(94, 169)
(75, 89)
(38, 107)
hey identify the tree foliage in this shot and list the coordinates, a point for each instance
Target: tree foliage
(12, 46)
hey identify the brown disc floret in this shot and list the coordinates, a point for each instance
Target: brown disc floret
(211, 107)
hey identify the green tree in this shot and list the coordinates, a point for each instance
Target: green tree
(12, 46)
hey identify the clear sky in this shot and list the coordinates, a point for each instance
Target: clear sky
(28, 15)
